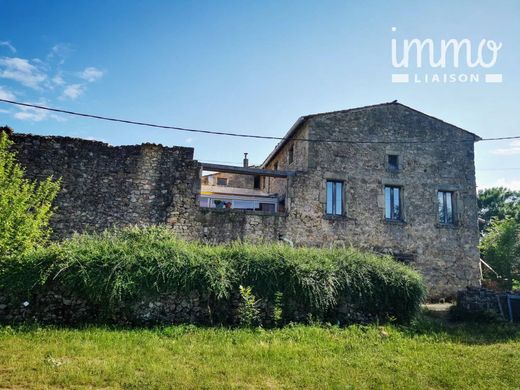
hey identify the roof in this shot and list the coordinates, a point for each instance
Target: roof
(301, 121)
(224, 190)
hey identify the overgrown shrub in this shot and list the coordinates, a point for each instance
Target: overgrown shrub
(248, 313)
(124, 265)
(25, 205)
(500, 248)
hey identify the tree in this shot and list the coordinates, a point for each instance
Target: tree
(500, 248)
(499, 203)
(25, 205)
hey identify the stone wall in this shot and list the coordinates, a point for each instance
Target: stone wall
(233, 180)
(104, 185)
(152, 184)
(52, 305)
(221, 226)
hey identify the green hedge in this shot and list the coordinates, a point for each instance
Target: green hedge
(123, 265)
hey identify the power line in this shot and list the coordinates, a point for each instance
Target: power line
(498, 169)
(242, 135)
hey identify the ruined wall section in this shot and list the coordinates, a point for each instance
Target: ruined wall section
(103, 186)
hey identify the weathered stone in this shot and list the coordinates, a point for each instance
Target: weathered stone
(105, 186)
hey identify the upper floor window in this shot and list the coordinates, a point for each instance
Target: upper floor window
(275, 166)
(334, 197)
(291, 154)
(393, 162)
(393, 203)
(446, 214)
(222, 181)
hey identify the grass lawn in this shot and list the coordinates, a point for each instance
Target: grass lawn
(425, 355)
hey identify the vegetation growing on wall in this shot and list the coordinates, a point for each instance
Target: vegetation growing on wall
(123, 265)
(25, 205)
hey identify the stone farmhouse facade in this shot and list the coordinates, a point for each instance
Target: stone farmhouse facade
(394, 181)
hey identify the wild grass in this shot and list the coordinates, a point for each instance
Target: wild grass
(423, 355)
(124, 265)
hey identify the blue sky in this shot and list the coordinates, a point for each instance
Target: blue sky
(251, 67)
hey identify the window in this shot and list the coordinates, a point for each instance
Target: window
(393, 162)
(256, 182)
(221, 181)
(334, 197)
(291, 154)
(446, 215)
(393, 203)
(275, 166)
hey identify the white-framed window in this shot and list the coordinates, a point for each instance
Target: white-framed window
(446, 210)
(334, 197)
(393, 207)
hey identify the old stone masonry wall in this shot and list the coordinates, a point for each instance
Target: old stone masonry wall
(103, 186)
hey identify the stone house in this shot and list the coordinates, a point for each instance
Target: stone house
(405, 186)
(394, 181)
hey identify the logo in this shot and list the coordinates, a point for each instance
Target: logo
(444, 62)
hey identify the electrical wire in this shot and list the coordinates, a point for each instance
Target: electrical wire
(242, 135)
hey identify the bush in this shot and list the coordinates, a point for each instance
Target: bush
(25, 206)
(124, 265)
(500, 248)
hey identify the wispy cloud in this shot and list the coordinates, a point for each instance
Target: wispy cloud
(91, 74)
(48, 79)
(58, 80)
(6, 94)
(188, 140)
(8, 45)
(21, 70)
(73, 91)
(511, 150)
(59, 52)
(508, 183)
(36, 114)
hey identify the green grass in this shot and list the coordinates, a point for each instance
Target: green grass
(424, 355)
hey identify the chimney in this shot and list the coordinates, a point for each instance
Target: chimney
(246, 161)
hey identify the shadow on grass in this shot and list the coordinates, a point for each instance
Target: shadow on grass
(464, 332)
(470, 333)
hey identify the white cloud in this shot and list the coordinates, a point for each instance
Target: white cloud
(59, 51)
(73, 91)
(6, 94)
(36, 114)
(21, 70)
(58, 80)
(91, 74)
(513, 149)
(188, 140)
(8, 45)
(508, 183)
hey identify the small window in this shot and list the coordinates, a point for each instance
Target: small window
(256, 182)
(446, 214)
(275, 166)
(222, 181)
(334, 197)
(393, 203)
(291, 154)
(393, 162)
